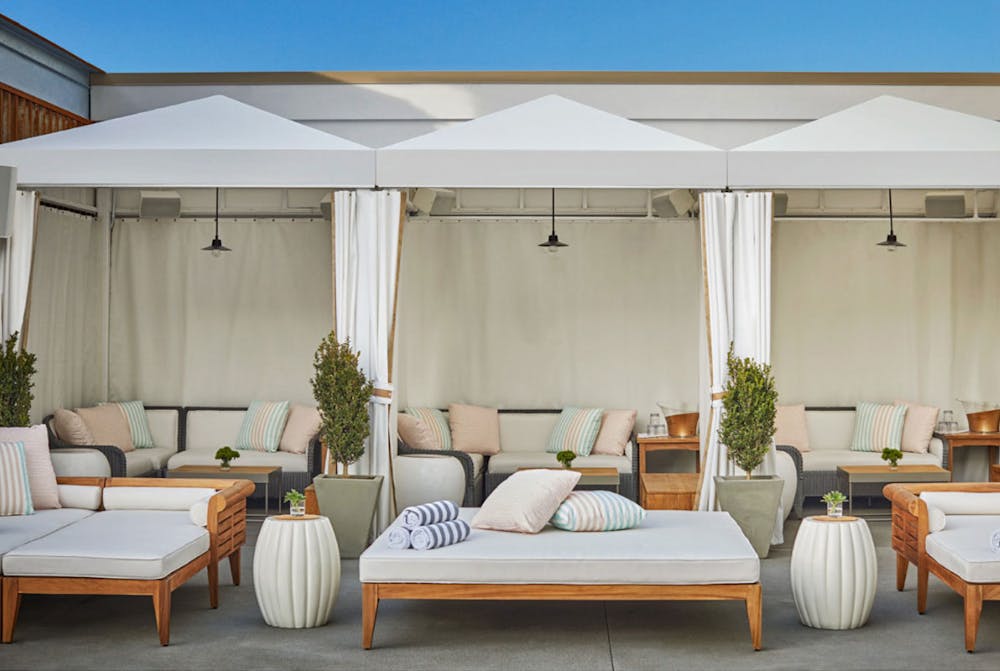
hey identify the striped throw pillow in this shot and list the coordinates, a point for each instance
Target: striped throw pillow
(878, 426)
(262, 426)
(436, 423)
(597, 511)
(15, 488)
(135, 412)
(576, 431)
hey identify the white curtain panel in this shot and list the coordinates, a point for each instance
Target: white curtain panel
(367, 247)
(736, 230)
(19, 250)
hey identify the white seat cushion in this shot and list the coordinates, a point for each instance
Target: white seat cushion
(140, 544)
(158, 456)
(137, 464)
(963, 547)
(509, 462)
(828, 460)
(670, 547)
(288, 461)
(17, 530)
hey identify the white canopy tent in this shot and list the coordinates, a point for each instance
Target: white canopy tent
(210, 142)
(551, 142)
(881, 143)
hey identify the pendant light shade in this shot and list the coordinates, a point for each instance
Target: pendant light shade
(553, 244)
(216, 247)
(890, 241)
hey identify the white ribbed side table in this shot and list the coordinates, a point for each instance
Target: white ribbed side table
(834, 572)
(296, 571)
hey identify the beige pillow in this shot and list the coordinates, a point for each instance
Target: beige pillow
(473, 429)
(108, 425)
(301, 427)
(790, 422)
(38, 461)
(526, 501)
(71, 428)
(414, 432)
(616, 431)
(918, 427)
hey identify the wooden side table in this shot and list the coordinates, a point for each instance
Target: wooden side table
(668, 491)
(970, 439)
(660, 443)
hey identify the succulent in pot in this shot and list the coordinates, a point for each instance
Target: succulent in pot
(834, 501)
(296, 501)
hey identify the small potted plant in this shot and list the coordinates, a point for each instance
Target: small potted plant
(296, 501)
(566, 458)
(225, 455)
(834, 501)
(892, 455)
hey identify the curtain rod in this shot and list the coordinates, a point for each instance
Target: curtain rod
(228, 215)
(75, 208)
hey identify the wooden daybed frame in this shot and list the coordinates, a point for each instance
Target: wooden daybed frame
(227, 533)
(909, 536)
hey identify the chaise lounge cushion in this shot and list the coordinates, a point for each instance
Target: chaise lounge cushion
(17, 531)
(509, 462)
(669, 548)
(136, 544)
(963, 547)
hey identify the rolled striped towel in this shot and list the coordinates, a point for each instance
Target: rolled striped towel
(995, 541)
(438, 535)
(428, 513)
(399, 538)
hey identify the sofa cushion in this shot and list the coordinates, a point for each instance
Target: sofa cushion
(830, 429)
(615, 432)
(138, 464)
(525, 501)
(135, 414)
(80, 462)
(791, 427)
(828, 460)
(154, 498)
(509, 462)
(138, 544)
(262, 426)
(41, 475)
(108, 425)
(164, 426)
(158, 456)
(211, 429)
(597, 511)
(526, 432)
(575, 431)
(878, 426)
(84, 497)
(964, 503)
(474, 430)
(15, 489)
(288, 461)
(436, 423)
(69, 427)
(963, 547)
(17, 531)
(302, 426)
(918, 427)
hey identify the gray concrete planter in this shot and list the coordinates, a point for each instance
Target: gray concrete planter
(753, 504)
(349, 502)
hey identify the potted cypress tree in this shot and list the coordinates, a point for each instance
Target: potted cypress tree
(17, 370)
(746, 429)
(343, 392)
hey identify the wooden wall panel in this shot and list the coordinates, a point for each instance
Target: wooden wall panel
(23, 116)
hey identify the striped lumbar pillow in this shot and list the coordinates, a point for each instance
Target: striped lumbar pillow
(135, 413)
(15, 489)
(576, 431)
(436, 423)
(262, 426)
(597, 511)
(878, 426)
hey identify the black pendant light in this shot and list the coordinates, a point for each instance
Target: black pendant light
(216, 247)
(890, 240)
(553, 244)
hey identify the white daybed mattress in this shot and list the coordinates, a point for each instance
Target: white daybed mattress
(671, 547)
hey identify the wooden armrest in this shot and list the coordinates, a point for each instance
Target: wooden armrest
(902, 496)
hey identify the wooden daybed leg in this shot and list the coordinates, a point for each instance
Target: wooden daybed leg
(213, 582)
(369, 609)
(234, 566)
(973, 609)
(902, 564)
(161, 606)
(754, 614)
(11, 604)
(922, 573)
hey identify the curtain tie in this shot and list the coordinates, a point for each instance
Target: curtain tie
(382, 394)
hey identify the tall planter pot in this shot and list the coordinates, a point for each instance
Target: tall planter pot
(349, 502)
(753, 504)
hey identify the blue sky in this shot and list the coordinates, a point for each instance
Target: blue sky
(783, 35)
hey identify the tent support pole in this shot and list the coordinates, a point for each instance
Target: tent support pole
(333, 285)
(392, 338)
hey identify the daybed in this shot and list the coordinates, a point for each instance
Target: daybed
(673, 555)
(952, 542)
(130, 536)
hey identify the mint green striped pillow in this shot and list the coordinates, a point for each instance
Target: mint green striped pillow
(138, 426)
(262, 426)
(576, 431)
(597, 511)
(878, 426)
(436, 422)
(15, 487)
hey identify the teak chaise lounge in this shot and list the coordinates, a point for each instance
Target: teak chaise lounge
(973, 569)
(148, 545)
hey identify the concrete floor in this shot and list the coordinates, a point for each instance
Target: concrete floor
(119, 632)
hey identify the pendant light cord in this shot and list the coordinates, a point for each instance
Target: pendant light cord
(553, 211)
(891, 230)
(217, 212)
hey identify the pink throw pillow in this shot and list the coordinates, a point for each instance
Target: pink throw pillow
(526, 501)
(41, 475)
(615, 432)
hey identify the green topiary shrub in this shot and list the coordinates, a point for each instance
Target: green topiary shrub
(17, 368)
(748, 410)
(342, 392)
